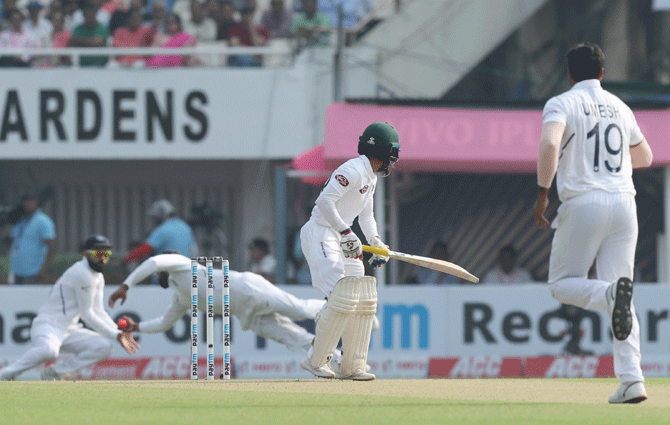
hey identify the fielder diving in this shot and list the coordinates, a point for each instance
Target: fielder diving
(258, 304)
(334, 254)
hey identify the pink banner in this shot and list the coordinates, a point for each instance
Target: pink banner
(459, 140)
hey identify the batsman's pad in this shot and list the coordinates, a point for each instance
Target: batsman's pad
(341, 304)
(356, 334)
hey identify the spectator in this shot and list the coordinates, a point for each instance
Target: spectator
(353, 11)
(77, 294)
(241, 4)
(262, 262)
(199, 25)
(170, 233)
(277, 20)
(7, 7)
(169, 5)
(226, 21)
(52, 7)
(212, 10)
(119, 16)
(507, 271)
(33, 243)
(311, 27)
(174, 37)
(39, 25)
(134, 34)
(90, 34)
(59, 37)
(69, 8)
(440, 251)
(246, 33)
(16, 37)
(158, 17)
(101, 15)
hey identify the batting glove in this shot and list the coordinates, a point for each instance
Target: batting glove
(378, 260)
(351, 245)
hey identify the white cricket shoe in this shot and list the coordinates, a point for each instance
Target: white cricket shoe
(619, 299)
(631, 392)
(49, 374)
(320, 371)
(358, 374)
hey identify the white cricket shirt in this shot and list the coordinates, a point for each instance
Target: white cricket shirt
(78, 293)
(244, 289)
(349, 193)
(599, 130)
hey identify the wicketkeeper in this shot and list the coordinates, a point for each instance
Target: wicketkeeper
(334, 255)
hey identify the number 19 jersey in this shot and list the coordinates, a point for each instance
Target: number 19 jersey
(599, 130)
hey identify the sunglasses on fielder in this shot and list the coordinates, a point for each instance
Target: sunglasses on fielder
(99, 254)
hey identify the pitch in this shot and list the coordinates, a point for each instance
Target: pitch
(420, 401)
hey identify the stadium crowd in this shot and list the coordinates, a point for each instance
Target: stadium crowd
(168, 23)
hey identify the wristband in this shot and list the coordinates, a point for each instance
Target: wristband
(346, 231)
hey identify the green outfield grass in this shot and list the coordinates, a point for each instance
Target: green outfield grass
(472, 401)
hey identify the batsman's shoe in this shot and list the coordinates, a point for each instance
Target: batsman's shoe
(631, 392)
(49, 374)
(358, 374)
(321, 371)
(619, 299)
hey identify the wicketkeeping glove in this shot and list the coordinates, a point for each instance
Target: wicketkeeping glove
(351, 245)
(378, 260)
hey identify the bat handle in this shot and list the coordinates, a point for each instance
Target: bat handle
(375, 250)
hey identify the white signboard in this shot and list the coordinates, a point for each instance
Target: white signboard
(417, 324)
(150, 114)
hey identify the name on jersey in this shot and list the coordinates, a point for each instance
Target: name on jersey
(600, 110)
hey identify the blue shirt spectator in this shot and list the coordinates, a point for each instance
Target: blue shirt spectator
(33, 243)
(170, 233)
(168, 5)
(353, 10)
(173, 234)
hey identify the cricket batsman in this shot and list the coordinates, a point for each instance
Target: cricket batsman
(334, 255)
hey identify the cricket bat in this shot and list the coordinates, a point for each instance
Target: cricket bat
(430, 263)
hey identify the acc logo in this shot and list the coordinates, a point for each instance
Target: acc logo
(342, 180)
(365, 189)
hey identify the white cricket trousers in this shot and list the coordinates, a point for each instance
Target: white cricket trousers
(327, 264)
(49, 341)
(268, 310)
(598, 226)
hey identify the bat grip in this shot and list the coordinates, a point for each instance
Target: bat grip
(375, 250)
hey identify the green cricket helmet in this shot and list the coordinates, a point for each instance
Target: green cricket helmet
(380, 141)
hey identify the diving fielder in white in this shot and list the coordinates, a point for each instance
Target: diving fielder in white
(334, 255)
(258, 304)
(591, 141)
(77, 294)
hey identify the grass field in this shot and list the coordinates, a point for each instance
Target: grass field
(421, 401)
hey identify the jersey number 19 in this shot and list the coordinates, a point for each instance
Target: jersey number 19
(595, 132)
